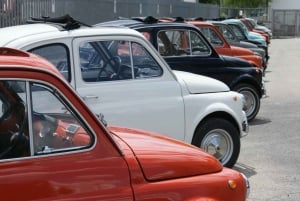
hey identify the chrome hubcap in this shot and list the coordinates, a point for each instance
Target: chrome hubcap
(250, 102)
(219, 144)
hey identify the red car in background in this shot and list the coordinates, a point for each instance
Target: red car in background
(53, 147)
(250, 28)
(222, 46)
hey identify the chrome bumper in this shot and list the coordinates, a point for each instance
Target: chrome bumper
(247, 183)
(245, 126)
(263, 90)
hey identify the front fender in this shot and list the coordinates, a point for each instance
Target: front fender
(255, 80)
(226, 104)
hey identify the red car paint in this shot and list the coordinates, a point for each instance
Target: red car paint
(226, 49)
(118, 164)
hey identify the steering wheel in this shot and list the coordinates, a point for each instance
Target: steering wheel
(44, 127)
(112, 75)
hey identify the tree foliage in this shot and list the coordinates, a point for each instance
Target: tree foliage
(238, 3)
(246, 3)
(209, 1)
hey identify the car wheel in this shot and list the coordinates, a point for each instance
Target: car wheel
(252, 99)
(220, 138)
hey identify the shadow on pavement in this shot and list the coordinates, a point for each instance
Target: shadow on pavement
(259, 121)
(246, 170)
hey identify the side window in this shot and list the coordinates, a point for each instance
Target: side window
(14, 130)
(58, 55)
(96, 63)
(35, 120)
(173, 43)
(144, 65)
(237, 32)
(147, 35)
(226, 33)
(4, 105)
(198, 45)
(116, 60)
(181, 43)
(55, 126)
(205, 32)
(211, 36)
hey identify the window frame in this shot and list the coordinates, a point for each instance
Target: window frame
(131, 58)
(67, 51)
(187, 33)
(69, 106)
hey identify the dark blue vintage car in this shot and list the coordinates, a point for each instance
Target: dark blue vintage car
(184, 48)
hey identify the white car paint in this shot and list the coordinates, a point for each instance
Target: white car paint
(173, 103)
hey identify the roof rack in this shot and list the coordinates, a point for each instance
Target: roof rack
(66, 21)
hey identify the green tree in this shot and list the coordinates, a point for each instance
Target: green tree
(209, 1)
(246, 3)
(238, 3)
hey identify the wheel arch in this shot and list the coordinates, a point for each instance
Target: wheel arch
(250, 81)
(217, 114)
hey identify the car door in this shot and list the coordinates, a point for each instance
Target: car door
(49, 151)
(122, 79)
(199, 57)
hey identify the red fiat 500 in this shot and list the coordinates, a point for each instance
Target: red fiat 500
(52, 147)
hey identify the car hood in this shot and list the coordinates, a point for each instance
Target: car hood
(162, 158)
(197, 84)
(235, 62)
(262, 28)
(257, 37)
(239, 51)
(242, 44)
(249, 46)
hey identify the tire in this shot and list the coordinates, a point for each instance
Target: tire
(252, 99)
(220, 138)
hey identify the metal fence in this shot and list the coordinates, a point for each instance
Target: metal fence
(259, 14)
(13, 12)
(286, 23)
(283, 23)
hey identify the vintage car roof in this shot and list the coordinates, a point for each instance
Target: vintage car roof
(136, 23)
(48, 31)
(232, 20)
(216, 22)
(200, 22)
(12, 57)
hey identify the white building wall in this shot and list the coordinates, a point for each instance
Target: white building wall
(285, 4)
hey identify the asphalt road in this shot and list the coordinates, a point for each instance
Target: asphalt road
(270, 154)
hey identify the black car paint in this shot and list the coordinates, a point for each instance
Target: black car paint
(230, 70)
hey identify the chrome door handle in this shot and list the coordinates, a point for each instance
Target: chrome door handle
(90, 97)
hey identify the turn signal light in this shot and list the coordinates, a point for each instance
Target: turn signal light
(232, 184)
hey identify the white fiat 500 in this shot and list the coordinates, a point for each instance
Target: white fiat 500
(119, 74)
